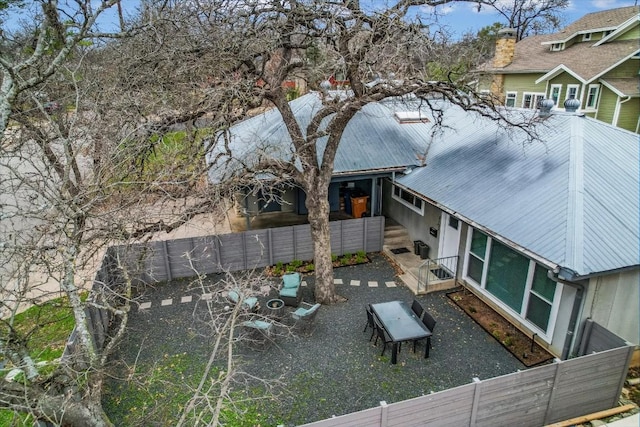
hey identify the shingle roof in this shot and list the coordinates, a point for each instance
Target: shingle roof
(606, 19)
(584, 59)
(625, 87)
(572, 198)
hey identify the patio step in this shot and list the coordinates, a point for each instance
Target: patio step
(395, 237)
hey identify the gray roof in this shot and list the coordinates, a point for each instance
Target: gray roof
(571, 198)
(372, 141)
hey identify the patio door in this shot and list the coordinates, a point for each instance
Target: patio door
(449, 236)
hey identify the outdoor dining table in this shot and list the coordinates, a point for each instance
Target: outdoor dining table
(401, 324)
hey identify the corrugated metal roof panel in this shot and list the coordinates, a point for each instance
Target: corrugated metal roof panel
(372, 140)
(571, 198)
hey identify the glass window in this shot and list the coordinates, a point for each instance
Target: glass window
(477, 252)
(572, 91)
(475, 267)
(555, 93)
(453, 223)
(510, 100)
(542, 285)
(538, 312)
(507, 275)
(408, 199)
(592, 96)
(479, 244)
(531, 100)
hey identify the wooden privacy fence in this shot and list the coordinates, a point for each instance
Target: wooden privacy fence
(172, 259)
(535, 397)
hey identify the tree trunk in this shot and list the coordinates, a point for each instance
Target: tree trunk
(318, 207)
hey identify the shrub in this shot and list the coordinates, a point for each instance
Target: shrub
(296, 263)
(290, 268)
(310, 267)
(334, 257)
(361, 254)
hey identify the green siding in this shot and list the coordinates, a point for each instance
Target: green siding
(565, 79)
(632, 34)
(607, 105)
(629, 68)
(523, 83)
(629, 112)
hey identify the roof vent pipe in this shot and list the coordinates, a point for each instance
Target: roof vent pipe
(545, 107)
(571, 105)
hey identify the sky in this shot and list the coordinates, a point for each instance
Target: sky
(460, 18)
(457, 17)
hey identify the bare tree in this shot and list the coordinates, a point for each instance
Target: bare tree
(345, 39)
(528, 17)
(86, 165)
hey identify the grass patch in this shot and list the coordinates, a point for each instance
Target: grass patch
(157, 394)
(47, 327)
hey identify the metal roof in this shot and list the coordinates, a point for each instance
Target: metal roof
(372, 141)
(570, 198)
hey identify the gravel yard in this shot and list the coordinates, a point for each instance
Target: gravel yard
(334, 371)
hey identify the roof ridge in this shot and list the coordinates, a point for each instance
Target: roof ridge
(574, 245)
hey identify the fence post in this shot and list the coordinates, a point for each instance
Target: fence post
(270, 245)
(384, 413)
(167, 262)
(364, 233)
(557, 362)
(586, 337)
(623, 374)
(476, 398)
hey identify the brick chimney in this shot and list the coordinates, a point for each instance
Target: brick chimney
(505, 47)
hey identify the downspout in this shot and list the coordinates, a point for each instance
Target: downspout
(572, 328)
(616, 114)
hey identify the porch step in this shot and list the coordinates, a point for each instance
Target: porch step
(395, 237)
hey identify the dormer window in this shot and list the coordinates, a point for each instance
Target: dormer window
(586, 37)
(557, 46)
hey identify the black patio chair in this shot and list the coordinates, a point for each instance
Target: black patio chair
(430, 323)
(370, 323)
(381, 333)
(417, 308)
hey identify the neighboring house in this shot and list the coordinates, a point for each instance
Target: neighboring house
(545, 231)
(595, 60)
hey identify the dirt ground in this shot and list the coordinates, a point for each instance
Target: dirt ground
(514, 340)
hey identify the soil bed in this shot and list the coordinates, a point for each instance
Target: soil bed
(514, 340)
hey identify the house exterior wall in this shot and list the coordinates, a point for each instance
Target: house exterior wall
(629, 115)
(522, 83)
(564, 79)
(607, 105)
(627, 69)
(612, 301)
(631, 34)
(415, 223)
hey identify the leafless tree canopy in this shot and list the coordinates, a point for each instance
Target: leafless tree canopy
(105, 136)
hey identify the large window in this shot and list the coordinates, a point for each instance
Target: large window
(408, 199)
(507, 275)
(512, 279)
